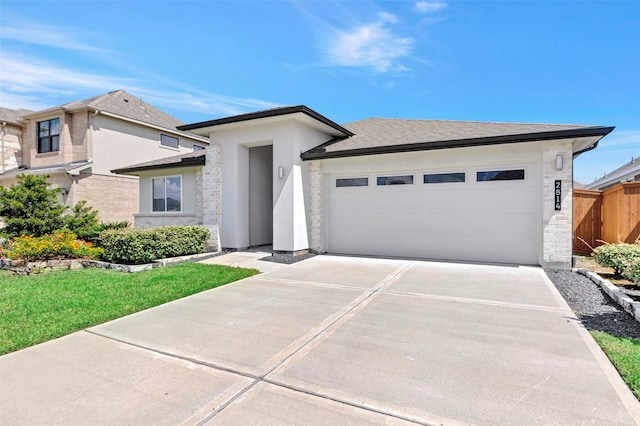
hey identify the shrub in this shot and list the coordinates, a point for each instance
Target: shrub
(136, 246)
(60, 245)
(82, 220)
(616, 256)
(30, 207)
(632, 272)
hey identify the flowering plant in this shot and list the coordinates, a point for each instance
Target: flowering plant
(59, 245)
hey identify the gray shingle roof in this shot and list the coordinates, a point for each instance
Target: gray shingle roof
(12, 115)
(375, 135)
(389, 131)
(121, 103)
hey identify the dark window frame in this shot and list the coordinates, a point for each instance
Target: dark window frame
(352, 182)
(445, 177)
(48, 141)
(169, 141)
(394, 180)
(500, 175)
(164, 198)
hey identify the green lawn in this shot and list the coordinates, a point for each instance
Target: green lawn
(38, 308)
(624, 353)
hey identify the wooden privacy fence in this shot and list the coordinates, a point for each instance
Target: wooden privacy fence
(611, 215)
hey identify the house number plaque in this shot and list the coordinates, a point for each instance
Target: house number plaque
(558, 194)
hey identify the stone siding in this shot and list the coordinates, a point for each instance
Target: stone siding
(316, 208)
(211, 195)
(150, 221)
(11, 155)
(557, 225)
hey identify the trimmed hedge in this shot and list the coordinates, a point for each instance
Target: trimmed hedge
(137, 246)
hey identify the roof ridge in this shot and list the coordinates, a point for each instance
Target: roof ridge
(469, 121)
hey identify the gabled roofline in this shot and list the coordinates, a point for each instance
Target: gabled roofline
(320, 152)
(275, 112)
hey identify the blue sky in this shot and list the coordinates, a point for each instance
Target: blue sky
(516, 61)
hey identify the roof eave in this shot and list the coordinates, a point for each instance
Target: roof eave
(599, 132)
(276, 112)
(185, 162)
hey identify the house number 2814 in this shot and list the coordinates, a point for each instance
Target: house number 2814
(558, 194)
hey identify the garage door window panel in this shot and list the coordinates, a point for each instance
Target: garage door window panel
(394, 180)
(352, 182)
(500, 175)
(458, 177)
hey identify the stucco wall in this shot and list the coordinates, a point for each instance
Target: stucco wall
(290, 199)
(118, 143)
(189, 190)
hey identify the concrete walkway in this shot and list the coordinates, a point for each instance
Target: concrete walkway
(331, 340)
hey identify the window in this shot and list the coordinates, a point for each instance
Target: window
(49, 135)
(395, 180)
(443, 177)
(170, 141)
(197, 148)
(347, 182)
(500, 175)
(167, 194)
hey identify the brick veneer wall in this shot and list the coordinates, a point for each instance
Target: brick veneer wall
(316, 219)
(557, 225)
(209, 202)
(116, 198)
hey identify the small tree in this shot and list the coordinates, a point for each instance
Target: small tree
(82, 221)
(30, 207)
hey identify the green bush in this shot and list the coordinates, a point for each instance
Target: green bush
(616, 256)
(632, 272)
(136, 246)
(60, 245)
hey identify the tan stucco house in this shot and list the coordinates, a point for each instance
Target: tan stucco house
(78, 144)
(434, 189)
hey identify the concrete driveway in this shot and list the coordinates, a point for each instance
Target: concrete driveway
(331, 340)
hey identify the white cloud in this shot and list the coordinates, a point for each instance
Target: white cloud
(37, 84)
(429, 7)
(26, 31)
(372, 45)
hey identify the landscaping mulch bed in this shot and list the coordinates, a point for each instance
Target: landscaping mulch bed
(593, 306)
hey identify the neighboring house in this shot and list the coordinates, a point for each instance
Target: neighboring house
(629, 172)
(78, 143)
(453, 190)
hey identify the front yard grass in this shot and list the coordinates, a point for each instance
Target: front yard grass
(624, 353)
(38, 308)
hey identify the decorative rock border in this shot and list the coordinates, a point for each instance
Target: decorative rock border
(627, 303)
(45, 266)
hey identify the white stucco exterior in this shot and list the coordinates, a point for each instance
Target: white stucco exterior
(289, 138)
(523, 217)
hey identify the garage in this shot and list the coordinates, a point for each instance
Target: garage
(486, 214)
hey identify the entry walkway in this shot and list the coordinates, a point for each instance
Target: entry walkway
(331, 340)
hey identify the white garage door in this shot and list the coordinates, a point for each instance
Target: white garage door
(488, 215)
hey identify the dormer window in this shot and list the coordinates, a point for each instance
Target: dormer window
(49, 135)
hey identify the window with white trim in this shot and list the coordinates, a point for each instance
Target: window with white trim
(49, 135)
(443, 177)
(494, 175)
(394, 180)
(166, 194)
(349, 182)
